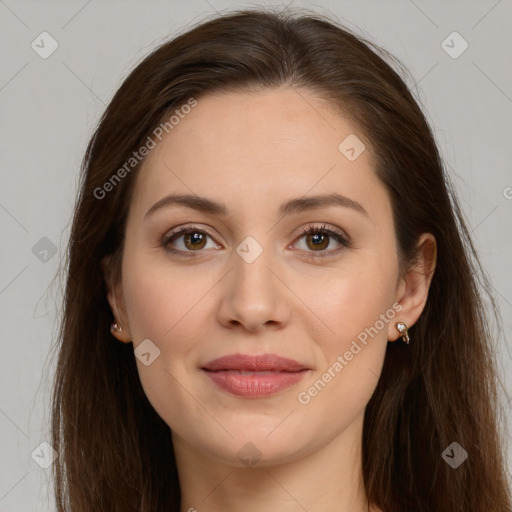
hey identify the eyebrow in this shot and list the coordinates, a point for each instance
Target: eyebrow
(299, 204)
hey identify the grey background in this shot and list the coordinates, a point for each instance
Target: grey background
(49, 108)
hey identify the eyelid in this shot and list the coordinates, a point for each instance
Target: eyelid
(323, 227)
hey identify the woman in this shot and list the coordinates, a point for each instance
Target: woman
(265, 225)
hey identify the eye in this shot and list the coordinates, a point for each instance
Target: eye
(189, 239)
(317, 239)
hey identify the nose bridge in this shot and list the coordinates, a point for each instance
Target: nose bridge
(254, 297)
(251, 261)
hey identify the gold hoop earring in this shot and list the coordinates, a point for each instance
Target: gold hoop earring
(404, 331)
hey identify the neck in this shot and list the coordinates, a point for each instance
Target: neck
(326, 478)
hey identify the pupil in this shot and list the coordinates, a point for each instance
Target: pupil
(195, 238)
(318, 239)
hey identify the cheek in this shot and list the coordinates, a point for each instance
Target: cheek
(160, 299)
(350, 303)
(151, 308)
(165, 307)
(357, 308)
(351, 362)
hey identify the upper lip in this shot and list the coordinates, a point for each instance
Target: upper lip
(265, 362)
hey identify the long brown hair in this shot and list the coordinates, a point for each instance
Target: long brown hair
(114, 451)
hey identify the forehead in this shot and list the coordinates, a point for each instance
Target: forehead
(251, 149)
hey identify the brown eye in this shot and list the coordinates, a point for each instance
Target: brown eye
(186, 240)
(318, 239)
(194, 240)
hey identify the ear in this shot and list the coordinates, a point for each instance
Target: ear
(412, 291)
(116, 300)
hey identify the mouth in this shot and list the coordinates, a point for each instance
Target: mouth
(254, 376)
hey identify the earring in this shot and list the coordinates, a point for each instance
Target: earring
(116, 327)
(404, 331)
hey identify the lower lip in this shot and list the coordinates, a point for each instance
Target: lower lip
(256, 384)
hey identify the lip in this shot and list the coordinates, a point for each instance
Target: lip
(246, 362)
(254, 376)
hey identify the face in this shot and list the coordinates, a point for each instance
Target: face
(314, 282)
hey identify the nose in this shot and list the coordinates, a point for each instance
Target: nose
(252, 295)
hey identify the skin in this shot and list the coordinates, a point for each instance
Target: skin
(252, 152)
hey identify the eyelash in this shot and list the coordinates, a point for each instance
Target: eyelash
(181, 230)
